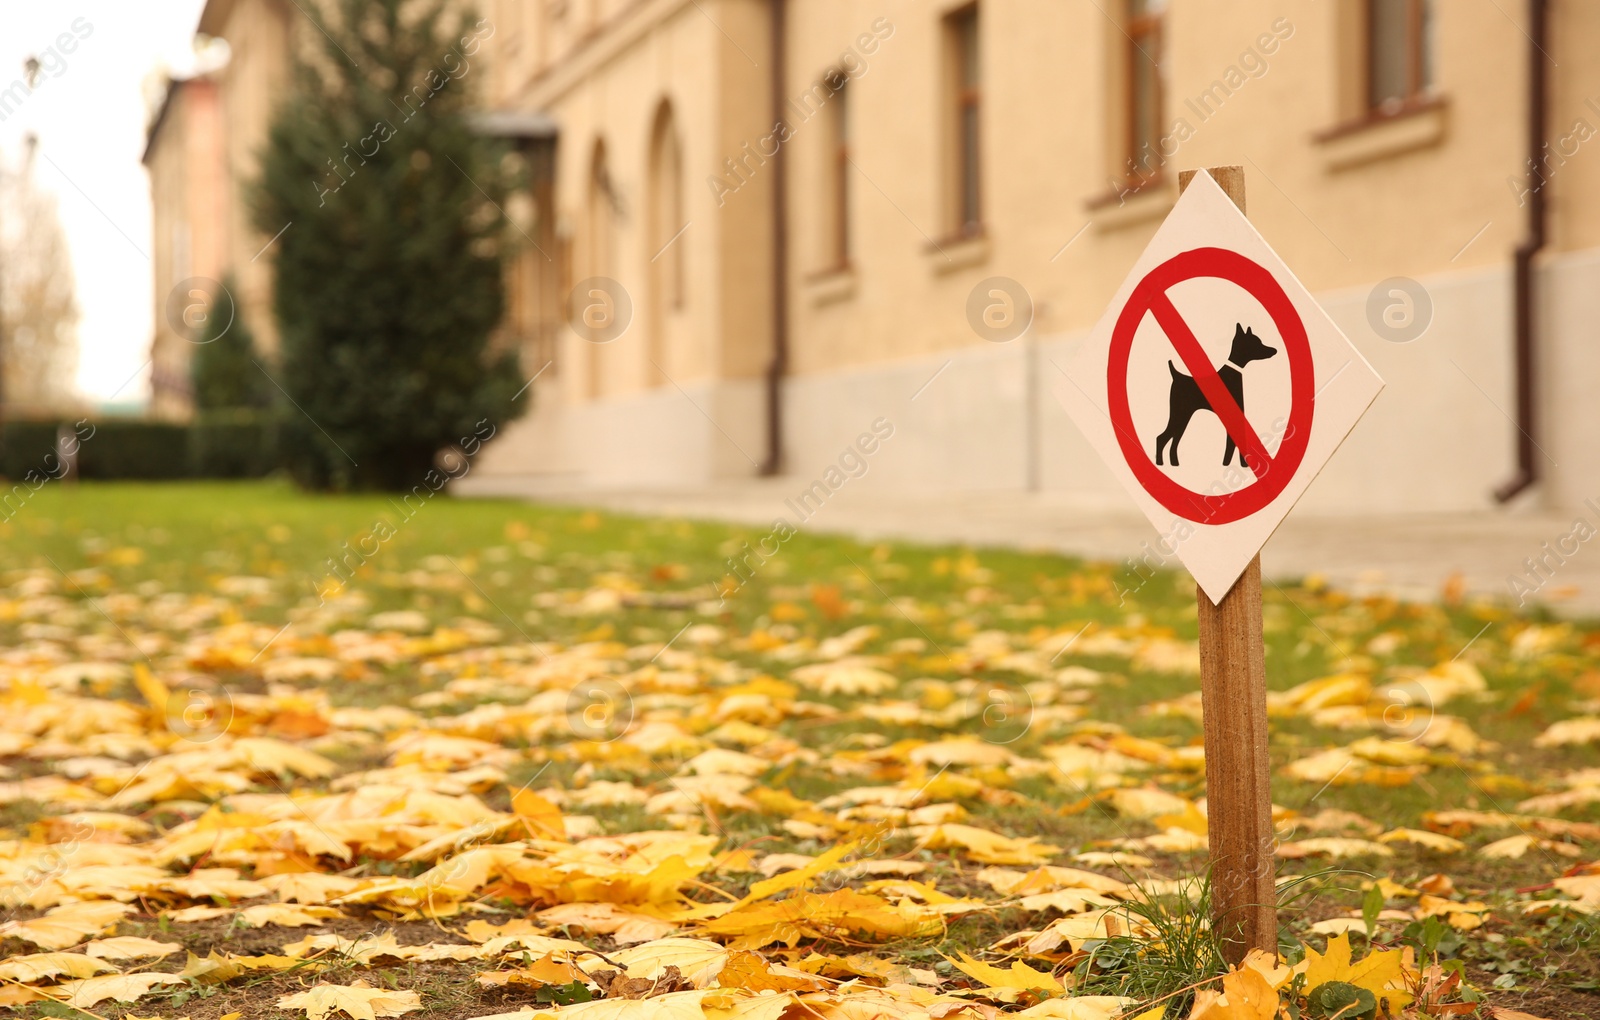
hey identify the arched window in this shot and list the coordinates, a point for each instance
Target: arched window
(598, 245)
(666, 223)
(834, 222)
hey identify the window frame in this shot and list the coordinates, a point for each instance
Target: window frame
(1415, 46)
(840, 161)
(963, 31)
(1144, 32)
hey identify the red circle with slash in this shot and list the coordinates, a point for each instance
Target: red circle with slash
(1272, 472)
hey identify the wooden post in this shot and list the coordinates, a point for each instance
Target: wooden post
(1233, 690)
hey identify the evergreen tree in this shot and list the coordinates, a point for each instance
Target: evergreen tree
(223, 367)
(389, 272)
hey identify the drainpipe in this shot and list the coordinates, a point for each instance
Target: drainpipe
(1522, 280)
(779, 366)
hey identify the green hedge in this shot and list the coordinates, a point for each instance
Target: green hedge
(236, 443)
(129, 448)
(218, 444)
(28, 446)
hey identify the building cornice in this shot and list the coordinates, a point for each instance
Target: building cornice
(593, 52)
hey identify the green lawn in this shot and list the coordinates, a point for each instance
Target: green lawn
(1026, 654)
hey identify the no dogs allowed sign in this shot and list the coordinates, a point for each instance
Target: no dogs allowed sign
(1214, 386)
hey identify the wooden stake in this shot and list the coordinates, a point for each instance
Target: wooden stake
(1233, 691)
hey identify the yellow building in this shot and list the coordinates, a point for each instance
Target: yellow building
(764, 225)
(808, 203)
(188, 183)
(201, 152)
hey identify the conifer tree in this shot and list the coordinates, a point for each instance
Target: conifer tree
(389, 268)
(223, 368)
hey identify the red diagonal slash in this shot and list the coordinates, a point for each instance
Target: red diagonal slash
(1210, 383)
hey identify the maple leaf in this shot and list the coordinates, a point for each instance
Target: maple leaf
(129, 947)
(288, 915)
(66, 925)
(545, 970)
(1459, 915)
(1376, 973)
(985, 846)
(483, 931)
(1007, 985)
(1421, 837)
(309, 886)
(1149, 802)
(265, 754)
(698, 960)
(42, 966)
(625, 926)
(1246, 995)
(812, 915)
(215, 968)
(799, 876)
(191, 915)
(751, 972)
(1333, 846)
(360, 1001)
(542, 818)
(85, 992)
(1583, 730)
(1049, 878)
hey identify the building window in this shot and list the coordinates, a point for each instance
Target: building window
(838, 172)
(667, 245)
(962, 29)
(1144, 88)
(592, 313)
(667, 221)
(1399, 52)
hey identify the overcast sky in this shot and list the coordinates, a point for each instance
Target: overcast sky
(90, 118)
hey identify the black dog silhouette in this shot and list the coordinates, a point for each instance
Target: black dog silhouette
(1186, 398)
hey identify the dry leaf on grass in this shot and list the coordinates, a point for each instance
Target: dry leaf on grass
(1380, 972)
(130, 947)
(1006, 984)
(36, 967)
(87, 992)
(360, 1001)
(66, 925)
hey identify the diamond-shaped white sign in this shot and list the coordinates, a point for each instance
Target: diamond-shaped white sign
(1215, 386)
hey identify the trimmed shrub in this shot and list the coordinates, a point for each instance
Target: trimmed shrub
(234, 443)
(25, 445)
(112, 448)
(128, 448)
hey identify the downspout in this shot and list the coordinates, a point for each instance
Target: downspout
(1522, 280)
(779, 366)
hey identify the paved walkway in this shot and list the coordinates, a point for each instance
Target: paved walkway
(1411, 556)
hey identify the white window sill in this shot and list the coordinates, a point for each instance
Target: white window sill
(1420, 126)
(960, 252)
(1116, 210)
(831, 286)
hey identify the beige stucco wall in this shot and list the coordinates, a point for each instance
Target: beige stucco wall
(1432, 196)
(677, 399)
(202, 156)
(188, 188)
(606, 87)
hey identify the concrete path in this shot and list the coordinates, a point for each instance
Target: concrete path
(1410, 556)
